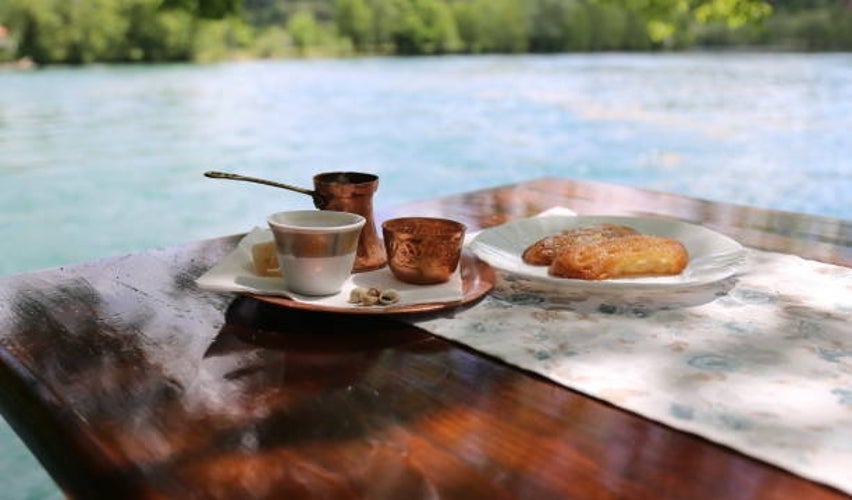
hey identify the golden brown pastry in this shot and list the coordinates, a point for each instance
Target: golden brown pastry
(543, 251)
(626, 256)
(264, 257)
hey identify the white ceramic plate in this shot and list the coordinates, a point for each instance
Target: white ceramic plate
(713, 256)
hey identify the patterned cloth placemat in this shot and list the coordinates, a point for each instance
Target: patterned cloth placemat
(761, 362)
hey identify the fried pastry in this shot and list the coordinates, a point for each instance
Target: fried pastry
(543, 251)
(626, 256)
(264, 257)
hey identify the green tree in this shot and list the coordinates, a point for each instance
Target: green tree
(733, 12)
(635, 33)
(505, 25)
(219, 39)
(52, 31)
(37, 25)
(662, 15)
(155, 35)
(355, 20)
(386, 22)
(608, 27)
(427, 27)
(272, 42)
(205, 9)
(576, 25)
(493, 25)
(93, 30)
(547, 22)
(468, 26)
(83, 31)
(303, 30)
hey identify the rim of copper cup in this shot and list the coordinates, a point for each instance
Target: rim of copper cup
(424, 226)
(345, 178)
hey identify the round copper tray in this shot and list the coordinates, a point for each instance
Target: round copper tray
(477, 280)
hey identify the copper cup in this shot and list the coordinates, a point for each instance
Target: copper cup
(423, 250)
(353, 192)
(339, 192)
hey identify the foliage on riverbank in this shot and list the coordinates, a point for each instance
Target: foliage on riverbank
(85, 31)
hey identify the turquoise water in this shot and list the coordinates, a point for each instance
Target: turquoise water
(91, 157)
(100, 161)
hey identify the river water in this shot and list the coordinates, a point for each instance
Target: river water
(103, 160)
(99, 161)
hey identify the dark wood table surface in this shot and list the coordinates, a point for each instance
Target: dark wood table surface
(126, 380)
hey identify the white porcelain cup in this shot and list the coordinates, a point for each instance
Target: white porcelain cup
(316, 248)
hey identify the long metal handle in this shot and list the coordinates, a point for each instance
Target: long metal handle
(319, 201)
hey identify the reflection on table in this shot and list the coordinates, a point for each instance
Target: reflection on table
(126, 379)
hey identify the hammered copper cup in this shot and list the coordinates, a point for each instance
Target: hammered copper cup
(423, 250)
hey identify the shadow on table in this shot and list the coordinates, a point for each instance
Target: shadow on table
(323, 376)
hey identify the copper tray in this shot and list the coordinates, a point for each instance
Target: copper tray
(477, 280)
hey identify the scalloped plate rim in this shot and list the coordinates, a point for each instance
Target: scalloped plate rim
(713, 256)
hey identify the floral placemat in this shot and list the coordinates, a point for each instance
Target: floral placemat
(761, 362)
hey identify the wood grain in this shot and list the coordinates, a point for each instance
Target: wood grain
(127, 381)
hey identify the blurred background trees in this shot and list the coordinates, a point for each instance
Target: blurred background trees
(85, 31)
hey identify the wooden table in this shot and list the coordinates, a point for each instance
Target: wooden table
(126, 380)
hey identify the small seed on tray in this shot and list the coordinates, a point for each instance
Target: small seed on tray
(389, 297)
(373, 296)
(356, 295)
